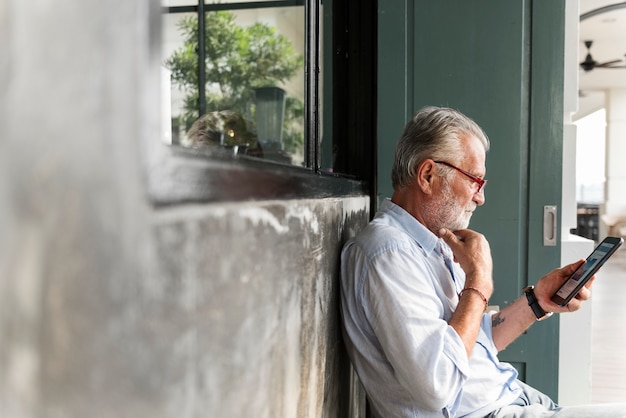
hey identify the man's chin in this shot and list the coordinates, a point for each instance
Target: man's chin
(461, 224)
(457, 226)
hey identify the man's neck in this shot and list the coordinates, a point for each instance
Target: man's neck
(410, 201)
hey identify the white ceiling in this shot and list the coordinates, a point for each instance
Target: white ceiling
(607, 30)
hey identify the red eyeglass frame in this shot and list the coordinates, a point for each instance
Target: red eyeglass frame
(480, 181)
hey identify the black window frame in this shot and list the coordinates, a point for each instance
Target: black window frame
(180, 175)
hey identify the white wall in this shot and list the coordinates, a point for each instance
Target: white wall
(575, 329)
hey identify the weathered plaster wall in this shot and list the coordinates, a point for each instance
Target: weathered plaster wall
(110, 307)
(223, 310)
(248, 299)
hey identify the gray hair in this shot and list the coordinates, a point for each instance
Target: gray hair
(433, 132)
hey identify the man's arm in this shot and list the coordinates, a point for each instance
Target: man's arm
(471, 250)
(513, 320)
(467, 318)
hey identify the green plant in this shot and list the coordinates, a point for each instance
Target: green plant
(238, 59)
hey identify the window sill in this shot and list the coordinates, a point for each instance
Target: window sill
(180, 175)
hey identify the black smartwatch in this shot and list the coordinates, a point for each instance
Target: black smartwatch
(540, 314)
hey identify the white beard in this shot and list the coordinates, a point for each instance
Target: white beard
(449, 214)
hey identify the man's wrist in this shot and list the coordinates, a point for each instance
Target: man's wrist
(540, 314)
(478, 292)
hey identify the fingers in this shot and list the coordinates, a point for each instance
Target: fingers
(448, 237)
(583, 294)
(471, 250)
(454, 239)
(577, 302)
(590, 282)
(548, 284)
(569, 269)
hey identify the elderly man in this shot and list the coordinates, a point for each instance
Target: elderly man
(416, 284)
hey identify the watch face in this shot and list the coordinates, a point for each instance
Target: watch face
(545, 316)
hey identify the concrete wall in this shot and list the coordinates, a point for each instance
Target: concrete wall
(110, 307)
(615, 207)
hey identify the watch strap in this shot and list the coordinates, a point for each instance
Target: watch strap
(540, 314)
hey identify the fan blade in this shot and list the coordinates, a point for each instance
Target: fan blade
(608, 63)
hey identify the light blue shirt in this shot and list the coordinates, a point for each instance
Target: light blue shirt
(399, 288)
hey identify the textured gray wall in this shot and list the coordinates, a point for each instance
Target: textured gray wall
(112, 308)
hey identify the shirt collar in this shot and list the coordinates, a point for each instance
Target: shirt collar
(422, 235)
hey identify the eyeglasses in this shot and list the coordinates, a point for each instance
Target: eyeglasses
(481, 182)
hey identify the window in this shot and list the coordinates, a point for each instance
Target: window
(258, 96)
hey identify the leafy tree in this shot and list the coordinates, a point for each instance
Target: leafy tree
(237, 60)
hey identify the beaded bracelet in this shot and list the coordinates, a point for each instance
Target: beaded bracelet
(479, 294)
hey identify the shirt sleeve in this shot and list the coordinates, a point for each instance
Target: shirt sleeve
(406, 309)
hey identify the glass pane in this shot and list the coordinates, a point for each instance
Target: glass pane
(253, 82)
(173, 3)
(173, 97)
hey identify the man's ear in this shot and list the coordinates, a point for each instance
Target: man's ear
(425, 176)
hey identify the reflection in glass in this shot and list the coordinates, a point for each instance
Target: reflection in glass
(253, 86)
(270, 111)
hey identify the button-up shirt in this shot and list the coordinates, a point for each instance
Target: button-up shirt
(399, 288)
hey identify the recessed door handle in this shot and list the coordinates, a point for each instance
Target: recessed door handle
(549, 225)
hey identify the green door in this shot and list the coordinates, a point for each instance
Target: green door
(500, 63)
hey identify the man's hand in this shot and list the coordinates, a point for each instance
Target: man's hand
(514, 319)
(550, 283)
(471, 250)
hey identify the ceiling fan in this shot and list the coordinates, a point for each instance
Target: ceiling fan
(589, 63)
